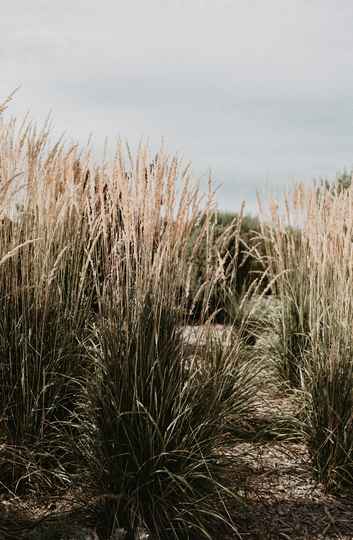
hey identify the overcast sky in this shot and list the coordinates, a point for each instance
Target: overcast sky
(258, 91)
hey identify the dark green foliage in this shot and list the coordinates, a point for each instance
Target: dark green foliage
(330, 413)
(292, 342)
(154, 419)
(43, 319)
(40, 362)
(292, 326)
(240, 255)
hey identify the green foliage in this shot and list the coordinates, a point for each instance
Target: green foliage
(329, 413)
(238, 255)
(43, 316)
(292, 341)
(289, 263)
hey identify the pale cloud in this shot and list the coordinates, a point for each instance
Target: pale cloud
(257, 91)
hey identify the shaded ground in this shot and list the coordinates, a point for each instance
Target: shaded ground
(285, 502)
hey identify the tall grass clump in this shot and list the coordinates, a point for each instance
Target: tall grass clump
(325, 270)
(155, 414)
(45, 308)
(288, 258)
(156, 422)
(330, 376)
(330, 409)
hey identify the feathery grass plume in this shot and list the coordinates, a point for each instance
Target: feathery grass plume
(154, 419)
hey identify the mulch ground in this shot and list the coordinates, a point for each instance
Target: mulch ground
(283, 499)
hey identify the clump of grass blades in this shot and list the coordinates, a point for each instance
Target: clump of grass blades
(289, 261)
(293, 341)
(37, 391)
(325, 252)
(155, 423)
(329, 410)
(329, 366)
(51, 264)
(227, 372)
(43, 315)
(230, 248)
(153, 417)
